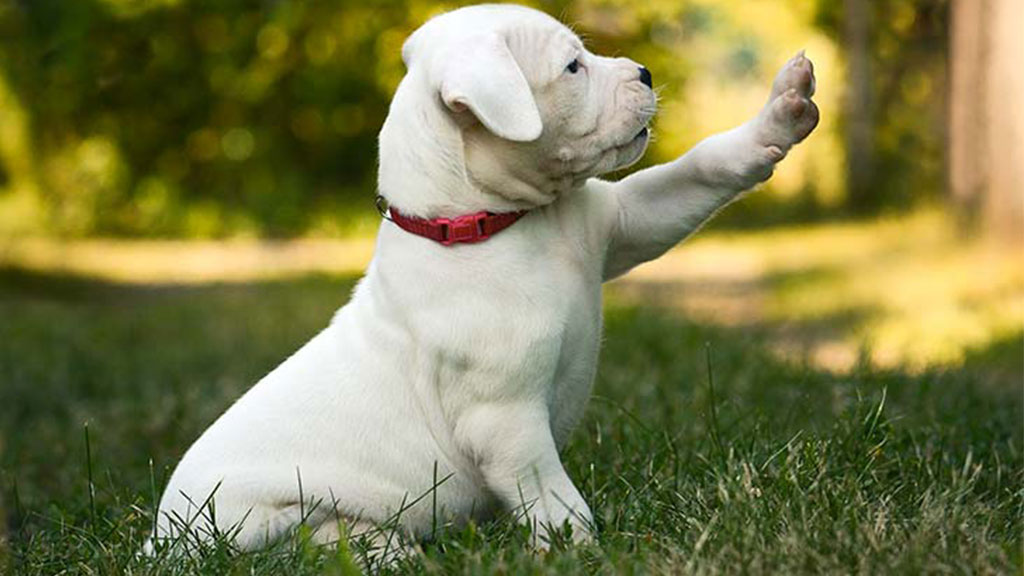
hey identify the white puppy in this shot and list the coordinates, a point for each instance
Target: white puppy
(457, 372)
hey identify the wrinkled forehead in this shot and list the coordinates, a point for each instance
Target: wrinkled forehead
(537, 41)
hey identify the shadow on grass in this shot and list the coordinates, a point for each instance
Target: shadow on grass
(763, 307)
(28, 285)
(150, 367)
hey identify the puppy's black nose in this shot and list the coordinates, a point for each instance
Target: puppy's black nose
(645, 77)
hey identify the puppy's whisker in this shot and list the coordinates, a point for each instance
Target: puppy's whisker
(645, 110)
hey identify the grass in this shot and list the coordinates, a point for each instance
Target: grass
(787, 468)
(906, 292)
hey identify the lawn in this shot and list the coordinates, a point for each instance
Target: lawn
(703, 450)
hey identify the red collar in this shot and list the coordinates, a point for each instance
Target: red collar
(468, 228)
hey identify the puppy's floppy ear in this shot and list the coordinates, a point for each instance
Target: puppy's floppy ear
(482, 75)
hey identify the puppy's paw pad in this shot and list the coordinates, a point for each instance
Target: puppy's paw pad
(789, 106)
(787, 120)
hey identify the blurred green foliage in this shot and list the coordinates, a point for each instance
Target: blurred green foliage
(210, 118)
(202, 117)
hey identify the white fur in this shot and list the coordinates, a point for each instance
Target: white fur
(474, 359)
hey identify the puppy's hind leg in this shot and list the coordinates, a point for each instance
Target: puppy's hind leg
(261, 525)
(190, 528)
(378, 546)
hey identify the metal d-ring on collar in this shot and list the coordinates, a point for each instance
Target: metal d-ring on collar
(382, 206)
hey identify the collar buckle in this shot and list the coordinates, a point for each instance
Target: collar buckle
(466, 228)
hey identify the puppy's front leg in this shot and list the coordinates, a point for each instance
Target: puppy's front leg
(514, 448)
(658, 207)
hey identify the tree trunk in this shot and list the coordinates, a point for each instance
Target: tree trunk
(986, 146)
(862, 194)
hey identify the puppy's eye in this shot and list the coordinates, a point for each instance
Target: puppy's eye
(573, 66)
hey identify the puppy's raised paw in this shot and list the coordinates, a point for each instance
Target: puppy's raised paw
(790, 115)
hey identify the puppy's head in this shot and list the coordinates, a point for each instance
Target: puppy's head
(521, 108)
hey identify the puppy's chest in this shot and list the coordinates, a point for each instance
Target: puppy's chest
(532, 328)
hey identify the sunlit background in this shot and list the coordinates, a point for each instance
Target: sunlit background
(178, 141)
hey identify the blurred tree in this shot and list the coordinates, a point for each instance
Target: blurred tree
(895, 114)
(858, 107)
(986, 148)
